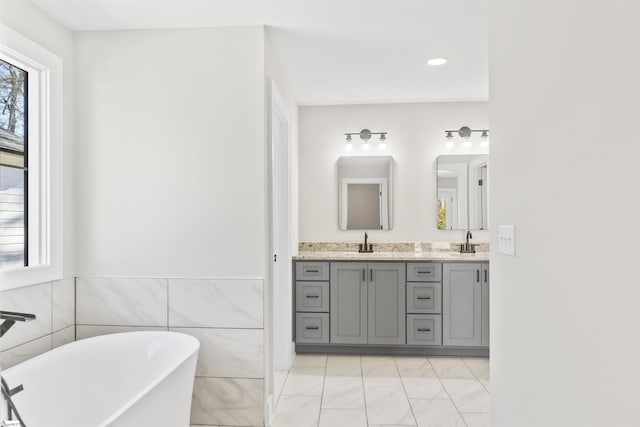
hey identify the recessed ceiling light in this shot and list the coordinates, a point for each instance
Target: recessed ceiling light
(437, 61)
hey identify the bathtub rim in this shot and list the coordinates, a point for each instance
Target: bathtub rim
(162, 375)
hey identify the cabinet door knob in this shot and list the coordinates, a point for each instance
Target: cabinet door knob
(478, 276)
(364, 277)
(371, 274)
(485, 276)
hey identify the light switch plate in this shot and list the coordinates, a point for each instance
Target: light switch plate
(507, 239)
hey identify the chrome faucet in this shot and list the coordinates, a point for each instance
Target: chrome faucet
(10, 318)
(468, 248)
(7, 392)
(367, 247)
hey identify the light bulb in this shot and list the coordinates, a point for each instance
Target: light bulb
(449, 143)
(365, 146)
(348, 146)
(485, 139)
(467, 143)
(383, 145)
(434, 62)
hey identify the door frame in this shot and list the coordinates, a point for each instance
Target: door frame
(280, 137)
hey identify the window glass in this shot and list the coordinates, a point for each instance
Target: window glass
(13, 166)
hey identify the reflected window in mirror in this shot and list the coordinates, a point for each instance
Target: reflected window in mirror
(365, 190)
(462, 192)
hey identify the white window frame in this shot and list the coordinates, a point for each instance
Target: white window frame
(44, 159)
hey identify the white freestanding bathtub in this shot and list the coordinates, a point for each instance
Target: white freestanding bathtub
(136, 379)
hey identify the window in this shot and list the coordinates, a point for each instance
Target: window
(30, 162)
(14, 171)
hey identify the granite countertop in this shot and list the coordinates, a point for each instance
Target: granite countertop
(392, 256)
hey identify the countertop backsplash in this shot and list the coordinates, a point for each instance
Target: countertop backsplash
(387, 246)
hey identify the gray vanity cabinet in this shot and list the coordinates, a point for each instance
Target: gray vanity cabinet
(386, 295)
(485, 305)
(312, 302)
(462, 300)
(348, 307)
(367, 303)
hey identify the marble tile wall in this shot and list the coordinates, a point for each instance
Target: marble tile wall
(226, 315)
(53, 303)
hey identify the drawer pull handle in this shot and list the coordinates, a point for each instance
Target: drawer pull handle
(313, 296)
(485, 276)
(423, 271)
(424, 330)
(478, 276)
(313, 327)
(312, 271)
(424, 297)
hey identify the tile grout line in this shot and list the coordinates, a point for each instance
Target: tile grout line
(281, 390)
(413, 414)
(447, 391)
(364, 393)
(478, 378)
(324, 379)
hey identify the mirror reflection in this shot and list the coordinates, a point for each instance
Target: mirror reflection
(462, 192)
(364, 193)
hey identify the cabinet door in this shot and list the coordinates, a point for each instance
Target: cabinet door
(462, 304)
(387, 303)
(485, 305)
(348, 306)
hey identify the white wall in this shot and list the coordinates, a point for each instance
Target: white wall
(171, 164)
(416, 138)
(564, 310)
(28, 20)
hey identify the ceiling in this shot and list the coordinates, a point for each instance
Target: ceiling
(332, 51)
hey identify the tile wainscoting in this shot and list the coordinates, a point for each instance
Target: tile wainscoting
(226, 315)
(53, 303)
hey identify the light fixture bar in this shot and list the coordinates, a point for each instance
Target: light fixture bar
(366, 133)
(365, 136)
(465, 133)
(463, 129)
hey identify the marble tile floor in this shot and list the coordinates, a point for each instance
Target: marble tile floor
(383, 391)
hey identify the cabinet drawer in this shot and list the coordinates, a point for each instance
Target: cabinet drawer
(312, 271)
(424, 329)
(424, 272)
(424, 297)
(312, 296)
(312, 327)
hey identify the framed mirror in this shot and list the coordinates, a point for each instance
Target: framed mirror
(462, 192)
(365, 199)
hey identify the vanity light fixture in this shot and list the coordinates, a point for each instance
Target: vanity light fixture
(465, 133)
(365, 136)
